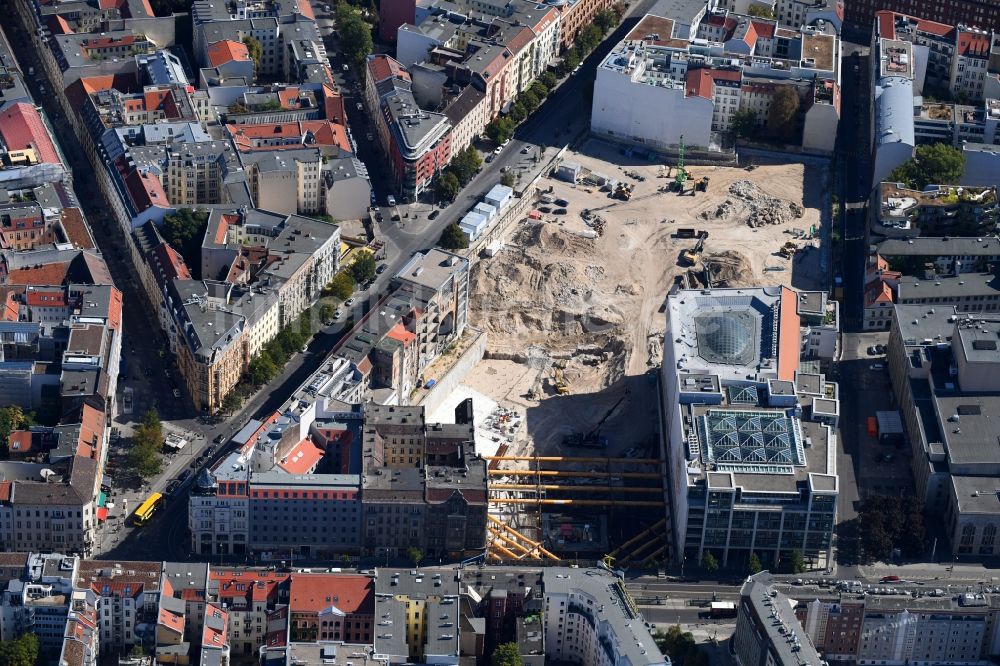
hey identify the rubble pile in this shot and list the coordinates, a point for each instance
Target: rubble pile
(761, 208)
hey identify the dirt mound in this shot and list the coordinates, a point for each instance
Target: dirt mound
(728, 269)
(547, 291)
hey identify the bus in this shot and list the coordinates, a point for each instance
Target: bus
(723, 609)
(147, 509)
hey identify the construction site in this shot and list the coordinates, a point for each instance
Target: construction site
(573, 307)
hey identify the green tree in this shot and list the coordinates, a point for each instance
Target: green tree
(932, 164)
(255, 49)
(355, 38)
(744, 123)
(262, 369)
(506, 654)
(144, 456)
(12, 418)
(589, 38)
(605, 20)
(539, 89)
(754, 565)
(363, 268)
(453, 238)
(500, 129)
(342, 285)
(549, 80)
(708, 562)
(782, 116)
(465, 164)
(22, 651)
(185, 231)
(529, 101)
(508, 179)
(680, 646)
(518, 112)
(415, 555)
(798, 562)
(232, 402)
(305, 324)
(760, 11)
(447, 186)
(570, 61)
(326, 312)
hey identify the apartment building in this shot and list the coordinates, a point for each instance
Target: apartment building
(949, 430)
(332, 607)
(936, 211)
(982, 13)
(127, 595)
(37, 596)
(590, 618)
(767, 631)
(250, 600)
(746, 61)
(732, 375)
(418, 617)
(945, 256)
(423, 485)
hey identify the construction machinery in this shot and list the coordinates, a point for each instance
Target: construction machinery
(692, 256)
(702, 184)
(622, 191)
(788, 249)
(680, 180)
(559, 380)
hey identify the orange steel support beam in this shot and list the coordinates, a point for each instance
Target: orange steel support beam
(638, 537)
(591, 488)
(513, 531)
(559, 472)
(577, 502)
(507, 539)
(503, 550)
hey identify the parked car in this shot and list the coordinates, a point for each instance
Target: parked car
(498, 149)
(338, 314)
(559, 211)
(526, 150)
(304, 349)
(219, 439)
(345, 67)
(872, 351)
(369, 136)
(889, 579)
(490, 157)
(209, 451)
(391, 200)
(877, 366)
(381, 269)
(177, 394)
(434, 214)
(185, 475)
(172, 487)
(361, 107)
(881, 349)
(349, 302)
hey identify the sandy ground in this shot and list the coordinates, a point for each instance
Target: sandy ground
(592, 306)
(579, 301)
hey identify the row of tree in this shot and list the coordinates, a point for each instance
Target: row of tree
(355, 34)
(21, 651)
(590, 37)
(888, 522)
(147, 442)
(796, 562)
(502, 128)
(458, 173)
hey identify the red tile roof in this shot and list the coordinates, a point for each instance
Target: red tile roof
(115, 310)
(5, 488)
(215, 638)
(171, 263)
(227, 50)
(92, 424)
(763, 28)
(324, 132)
(22, 127)
(145, 190)
(40, 275)
(75, 228)
(973, 44)
(303, 458)
(55, 298)
(19, 442)
(382, 67)
(349, 593)
(400, 334)
(247, 584)
(306, 8)
(699, 83)
(171, 621)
